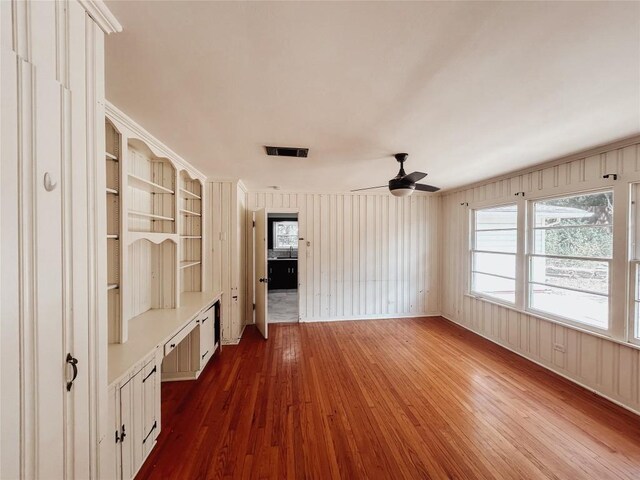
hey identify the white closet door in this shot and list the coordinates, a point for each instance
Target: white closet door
(49, 331)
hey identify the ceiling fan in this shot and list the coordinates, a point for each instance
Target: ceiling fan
(403, 185)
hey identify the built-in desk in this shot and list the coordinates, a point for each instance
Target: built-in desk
(153, 329)
(136, 368)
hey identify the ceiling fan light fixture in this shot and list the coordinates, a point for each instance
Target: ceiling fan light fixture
(403, 191)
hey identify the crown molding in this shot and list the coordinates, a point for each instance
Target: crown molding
(102, 15)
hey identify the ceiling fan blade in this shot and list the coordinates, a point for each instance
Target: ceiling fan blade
(414, 177)
(370, 188)
(426, 188)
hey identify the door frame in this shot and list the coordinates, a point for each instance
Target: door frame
(270, 211)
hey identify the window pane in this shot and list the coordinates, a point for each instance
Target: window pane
(285, 234)
(505, 216)
(581, 274)
(497, 241)
(575, 241)
(581, 307)
(496, 263)
(590, 209)
(494, 286)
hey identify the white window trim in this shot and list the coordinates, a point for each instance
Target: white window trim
(529, 252)
(284, 249)
(621, 323)
(470, 251)
(633, 263)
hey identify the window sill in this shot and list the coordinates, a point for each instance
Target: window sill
(629, 343)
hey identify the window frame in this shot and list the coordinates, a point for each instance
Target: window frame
(471, 250)
(633, 266)
(530, 253)
(621, 322)
(275, 236)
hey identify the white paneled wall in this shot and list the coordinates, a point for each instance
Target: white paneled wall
(363, 255)
(611, 368)
(226, 244)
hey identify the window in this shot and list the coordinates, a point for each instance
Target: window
(634, 257)
(571, 247)
(285, 235)
(493, 253)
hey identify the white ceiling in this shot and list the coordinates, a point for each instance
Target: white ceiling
(469, 90)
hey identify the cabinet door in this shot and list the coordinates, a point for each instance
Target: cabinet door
(126, 435)
(109, 462)
(206, 336)
(277, 272)
(149, 413)
(292, 275)
(131, 425)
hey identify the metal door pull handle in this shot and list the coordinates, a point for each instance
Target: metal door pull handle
(73, 362)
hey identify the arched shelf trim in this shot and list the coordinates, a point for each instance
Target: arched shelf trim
(153, 237)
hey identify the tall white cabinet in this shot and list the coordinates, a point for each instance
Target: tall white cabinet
(52, 133)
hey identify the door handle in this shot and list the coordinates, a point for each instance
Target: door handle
(149, 374)
(73, 362)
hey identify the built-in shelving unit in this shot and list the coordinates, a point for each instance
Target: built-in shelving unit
(151, 184)
(190, 223)
(113, 185)
(154, 226)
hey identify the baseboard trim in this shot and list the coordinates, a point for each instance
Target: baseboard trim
(372, 317)
(179, 376)
(547, 367)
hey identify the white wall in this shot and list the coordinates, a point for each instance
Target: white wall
(608, 367)
(370, 255)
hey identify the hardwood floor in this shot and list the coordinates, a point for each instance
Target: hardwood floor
(410, 398)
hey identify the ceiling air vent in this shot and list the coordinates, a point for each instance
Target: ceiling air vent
(287, 151)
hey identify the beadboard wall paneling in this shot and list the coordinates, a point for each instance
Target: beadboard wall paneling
(226, 243)
(151, 276)
(363, 255)
(610, 368)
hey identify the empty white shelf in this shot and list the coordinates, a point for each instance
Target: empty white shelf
(189, 263)
(153, 216)
(112, 286)
(184, 211)
(189, 194)
(112, 190)
(190, 236)
(148, 185)
(113, 237)
(110, 156)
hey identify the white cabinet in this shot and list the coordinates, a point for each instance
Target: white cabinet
(206, 334)
(134, 413)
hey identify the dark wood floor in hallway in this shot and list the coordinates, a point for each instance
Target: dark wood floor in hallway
(410, 398)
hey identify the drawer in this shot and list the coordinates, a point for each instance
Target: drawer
(178, 337)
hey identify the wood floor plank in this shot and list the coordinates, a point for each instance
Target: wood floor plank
(406, 398)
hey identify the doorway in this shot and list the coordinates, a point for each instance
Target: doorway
(282, 267)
